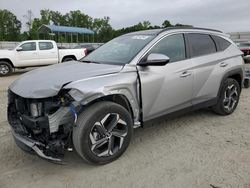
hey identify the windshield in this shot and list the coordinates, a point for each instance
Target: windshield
(120, 50)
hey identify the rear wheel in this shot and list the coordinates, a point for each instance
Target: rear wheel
(68, 59)
(229, 97)
(103, 132)
(5, 68)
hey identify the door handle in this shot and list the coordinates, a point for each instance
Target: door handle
(185, 74)
(223, 64)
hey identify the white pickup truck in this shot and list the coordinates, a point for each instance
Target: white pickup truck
(35, 53)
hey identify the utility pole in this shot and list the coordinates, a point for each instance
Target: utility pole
(29, 17)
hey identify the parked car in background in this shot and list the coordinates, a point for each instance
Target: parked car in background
(245, 48)
(89, 47)
(36, 53)
(247, 78)
(128, 82)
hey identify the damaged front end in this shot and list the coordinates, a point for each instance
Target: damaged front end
(44, 125)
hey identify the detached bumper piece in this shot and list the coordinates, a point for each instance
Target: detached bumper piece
(35, 146)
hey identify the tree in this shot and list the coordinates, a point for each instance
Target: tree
(45, 16)
(103, 30)
(138, 27)
(57, 18)
(146, 24)
(166, 23)
(78, 19)
(10, 26)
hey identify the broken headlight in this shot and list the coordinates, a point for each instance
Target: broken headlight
(36, 109)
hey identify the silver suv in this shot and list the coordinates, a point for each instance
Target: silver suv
(93, 105)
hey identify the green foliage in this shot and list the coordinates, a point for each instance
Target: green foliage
(166, 23)
(10, 26)
(138, 27)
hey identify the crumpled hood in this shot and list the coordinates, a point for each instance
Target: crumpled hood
(47, 81)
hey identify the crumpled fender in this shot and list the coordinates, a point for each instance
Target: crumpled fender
(123, 83)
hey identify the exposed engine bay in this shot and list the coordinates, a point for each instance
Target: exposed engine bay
(45, 125)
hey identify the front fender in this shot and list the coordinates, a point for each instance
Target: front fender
(88, 90)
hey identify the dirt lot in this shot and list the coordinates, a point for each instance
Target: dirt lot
(199, 149)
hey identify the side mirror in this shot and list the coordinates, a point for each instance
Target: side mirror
(19, 49)
(155, 59)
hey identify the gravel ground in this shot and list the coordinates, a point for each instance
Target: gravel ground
(199, 149)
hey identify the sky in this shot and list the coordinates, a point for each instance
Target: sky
(225, 15)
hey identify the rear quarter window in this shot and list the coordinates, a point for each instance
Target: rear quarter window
(201, 44)
(222, 44)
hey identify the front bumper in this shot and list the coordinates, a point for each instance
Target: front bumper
(49, 135)
(34, 145)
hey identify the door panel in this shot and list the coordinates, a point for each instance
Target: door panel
(208, 73)
(208, 66)
(168, 88)
(48, 54)
(28, 56)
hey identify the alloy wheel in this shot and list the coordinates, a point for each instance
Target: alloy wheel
(4, 69)
(231, 97)
(107, 136)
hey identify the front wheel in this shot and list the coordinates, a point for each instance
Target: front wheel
(228, 98)
(5, 68)
(103, 132)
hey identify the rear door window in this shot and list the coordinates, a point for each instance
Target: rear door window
(201, 44)
(45, 45)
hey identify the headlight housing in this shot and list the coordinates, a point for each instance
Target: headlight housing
(36, 109)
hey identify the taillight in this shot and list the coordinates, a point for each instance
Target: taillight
(85, 51)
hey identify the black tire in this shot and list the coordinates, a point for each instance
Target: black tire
(24, 147)
(5, 68)
(68, 59)
(225, 104)
(86, 125)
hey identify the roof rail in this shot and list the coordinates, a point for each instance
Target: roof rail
(189, 27)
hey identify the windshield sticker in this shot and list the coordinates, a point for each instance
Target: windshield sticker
(140, 37)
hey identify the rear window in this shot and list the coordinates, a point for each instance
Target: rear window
(201, 44)
(221, 43)
(45, 45)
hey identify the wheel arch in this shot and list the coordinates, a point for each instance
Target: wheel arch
(116, 98)
(8, 61)
(123, 98)
(68, 56)
(236, 74)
